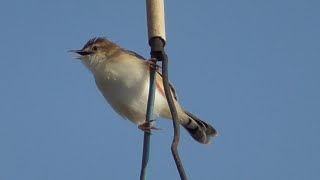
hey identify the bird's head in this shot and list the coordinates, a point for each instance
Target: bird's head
(96, 50)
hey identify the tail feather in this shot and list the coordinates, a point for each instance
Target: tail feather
(199, 130)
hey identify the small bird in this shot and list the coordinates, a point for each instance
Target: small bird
(122, 77)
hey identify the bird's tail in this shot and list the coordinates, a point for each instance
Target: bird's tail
(199, 130)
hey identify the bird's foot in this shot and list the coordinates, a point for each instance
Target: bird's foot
(147, 126)
(153, 63)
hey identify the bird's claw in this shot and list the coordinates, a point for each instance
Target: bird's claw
(147, 127)
(153, 63)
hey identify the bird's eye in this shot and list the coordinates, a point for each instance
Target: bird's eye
(94, 48)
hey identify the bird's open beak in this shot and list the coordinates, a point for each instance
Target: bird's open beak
(81, 52)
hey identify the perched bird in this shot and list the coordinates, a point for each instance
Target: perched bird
(122, 76)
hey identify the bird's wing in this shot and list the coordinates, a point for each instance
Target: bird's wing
(160, 85)
(134, 54)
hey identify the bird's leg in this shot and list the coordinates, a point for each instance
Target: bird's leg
(153, 63)
(146, 127)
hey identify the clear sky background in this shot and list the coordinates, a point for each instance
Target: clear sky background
(250, 68)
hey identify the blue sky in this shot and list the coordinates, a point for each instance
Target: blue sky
(250, 68)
